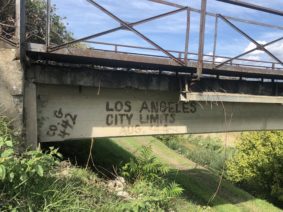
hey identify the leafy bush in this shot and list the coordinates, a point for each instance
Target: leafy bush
(145, 166)
(32, 181)
(19, 171)
(69, 189)
(150, 188)
(258, 163)
(148, 196)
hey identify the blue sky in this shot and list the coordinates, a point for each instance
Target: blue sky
(84, 19)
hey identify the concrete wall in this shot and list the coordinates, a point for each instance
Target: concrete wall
(74, 112)
(11, 87)
(78, 101)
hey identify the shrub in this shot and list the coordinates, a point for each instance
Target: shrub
(145, 166)
(258, 163)
(150, 188)
(149, 196)
(19, 171)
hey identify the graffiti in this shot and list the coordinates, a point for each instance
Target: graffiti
(119, 119)
(119, 106)
(138, 130)
(167, 107)
(131, 130)
(152, 113)
(159, 119)
(64, 124)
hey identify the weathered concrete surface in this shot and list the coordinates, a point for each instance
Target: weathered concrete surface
(73, 112)
(78, 75)
(83, 76)
(30, 111)
(11, 88)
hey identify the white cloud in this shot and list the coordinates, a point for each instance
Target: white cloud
(252, 46)
(260, 56)
(277, 49)
(210, 58)
(169, 32)
(255, 55)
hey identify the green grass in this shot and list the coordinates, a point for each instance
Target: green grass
(209, 152)
(199, 183)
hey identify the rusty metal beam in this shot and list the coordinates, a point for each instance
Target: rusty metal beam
(171, 51)
(174, 51)
(215, 39)
(247, 21)
(187, 41)
(253, 6)
(48, 19)
(129, 27)
(201, 38)
(259, 46)
(117, 28)
(167, 3)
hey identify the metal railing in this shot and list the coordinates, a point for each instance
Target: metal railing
(183, 58)
(121, 48)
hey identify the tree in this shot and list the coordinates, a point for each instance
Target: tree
(7, 18)
(258, 163)
(36, 22)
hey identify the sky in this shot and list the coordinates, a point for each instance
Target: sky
(83, 19)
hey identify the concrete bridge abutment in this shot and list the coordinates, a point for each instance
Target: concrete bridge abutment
(18, 97)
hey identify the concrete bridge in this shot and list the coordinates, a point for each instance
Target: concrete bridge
(56, 93)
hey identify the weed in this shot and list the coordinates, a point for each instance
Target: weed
(206, 151)
(150, 188)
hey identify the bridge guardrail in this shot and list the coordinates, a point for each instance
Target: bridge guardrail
(180, 57)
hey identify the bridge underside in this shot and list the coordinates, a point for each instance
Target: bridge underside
(82, 101)
(69, 112)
